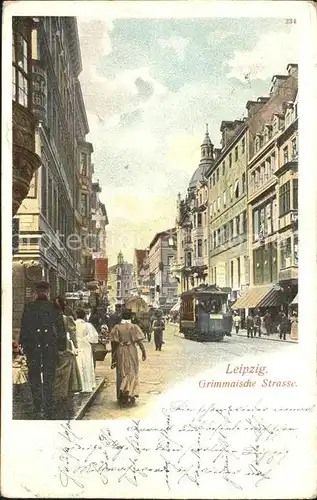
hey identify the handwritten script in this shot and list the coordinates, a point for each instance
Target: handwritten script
(240, 445)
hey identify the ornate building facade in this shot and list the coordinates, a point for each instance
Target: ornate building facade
(191, 261)
(228, 256)
(272, 195)
(162, 253)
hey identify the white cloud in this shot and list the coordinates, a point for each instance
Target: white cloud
(147, 138)
(271, 54)
(177, 44)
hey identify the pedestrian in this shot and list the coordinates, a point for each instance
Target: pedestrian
(94, 318)
(22, 403)
(257, 325)
(237, 322)
(86, 335)
(268, 323)
(283, 325)
(158, 328)
(42, 336)
(124, 339)
(294, 326)
(67, 380)
(250, 325)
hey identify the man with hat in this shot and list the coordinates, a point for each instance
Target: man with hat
(42, 336)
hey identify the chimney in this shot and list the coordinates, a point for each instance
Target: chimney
(253, 106)
(277, 81)
(263, 99)
(292, 69)
(229, 129)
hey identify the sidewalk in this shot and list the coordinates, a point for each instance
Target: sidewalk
(243, 333)
(22, 408)
(274, 336)
(83, 402)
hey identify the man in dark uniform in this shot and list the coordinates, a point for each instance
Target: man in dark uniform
(42, 335)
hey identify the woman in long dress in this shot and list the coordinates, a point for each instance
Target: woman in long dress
(294, 326)
(124, 339)
(86, 335)
(67, 380)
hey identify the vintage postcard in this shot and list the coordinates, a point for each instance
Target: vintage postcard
(159, 250)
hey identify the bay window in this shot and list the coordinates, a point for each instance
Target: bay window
(20, 68)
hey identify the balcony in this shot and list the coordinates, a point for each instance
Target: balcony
(288, 273)
(198, 232)
(198, 262)
(289, 219)
(265, 182)
(188, 245)
(25, 160)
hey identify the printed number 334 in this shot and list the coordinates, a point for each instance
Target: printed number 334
(290, 21)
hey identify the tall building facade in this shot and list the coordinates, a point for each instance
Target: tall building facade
(228, 227)
(272, 195)
(52, 218)
(162, 253)
(190, 266)
(120, 281)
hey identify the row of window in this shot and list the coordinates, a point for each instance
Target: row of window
(53, 206)
(270, 130)
(230, 269)
(287, 202)
(265, 220)
(233, 193)
(263, 173)
(20, 70)
(235, 227)
(222, 169)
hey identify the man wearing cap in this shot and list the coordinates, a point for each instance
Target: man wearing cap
(42, 336)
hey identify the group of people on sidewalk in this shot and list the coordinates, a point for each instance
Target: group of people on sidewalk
(54, 359)
(257, 325)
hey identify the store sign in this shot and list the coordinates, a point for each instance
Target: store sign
(101, 269)
(72, 296)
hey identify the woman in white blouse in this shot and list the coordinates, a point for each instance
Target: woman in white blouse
(86, 335)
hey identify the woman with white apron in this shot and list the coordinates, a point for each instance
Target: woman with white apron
(86, 335)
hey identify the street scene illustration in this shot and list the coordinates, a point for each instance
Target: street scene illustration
(155, 207)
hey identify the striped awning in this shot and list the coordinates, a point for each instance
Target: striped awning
(295, 300)
(259, 296)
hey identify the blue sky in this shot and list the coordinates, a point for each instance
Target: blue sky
(150, 85)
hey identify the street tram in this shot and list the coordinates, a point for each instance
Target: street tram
(204, 314)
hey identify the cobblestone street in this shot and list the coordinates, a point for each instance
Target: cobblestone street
(179, 359)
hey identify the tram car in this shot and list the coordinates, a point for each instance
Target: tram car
(204, 314)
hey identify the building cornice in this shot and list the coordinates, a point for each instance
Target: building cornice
(74, 44)
(227, 150)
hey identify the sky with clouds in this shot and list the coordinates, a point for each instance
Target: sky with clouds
(150, 86)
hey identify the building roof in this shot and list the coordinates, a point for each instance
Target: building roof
(198, 176)
(162, 233)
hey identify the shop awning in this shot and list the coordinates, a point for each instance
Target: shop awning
(295, 301)
(259, 296)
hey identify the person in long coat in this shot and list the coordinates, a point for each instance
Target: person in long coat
(42, 336)
(67, 380)
(158, 327)
(294, 326)
(125, 338)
